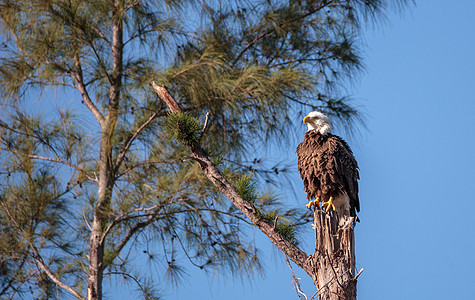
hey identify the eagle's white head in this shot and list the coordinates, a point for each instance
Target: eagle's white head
(318, 121)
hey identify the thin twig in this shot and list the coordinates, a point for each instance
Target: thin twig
(133, 278)
(125, 216)
(57, 160)
(150, 162)
(248, 46)
(324, 286)
(295, 280)
(358, 274)
(87, 223)
(126, 145)
(131, 233)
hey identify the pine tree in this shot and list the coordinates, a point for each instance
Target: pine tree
(95, 171)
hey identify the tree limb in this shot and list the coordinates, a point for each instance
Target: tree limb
(129, 141)
(272, 31)
(205, 125)
(248, 46)
(133, 278)
(165, 96)
(78, 78)
(39, 261)
(131, 232)
(57, 160)
(44, 267)
(249, 210)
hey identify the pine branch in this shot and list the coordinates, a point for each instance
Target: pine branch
(44, 267)
(145, 162)
(101, 63)
(130, 233)
(25, 279)
(39, 261)
(22, 260)
(248, 46)
(272, 31)
(130, 140)
(249, 210)
(80, 86)
(57, 160)
(133, 278)
(151, 217)
(41, 139)
(141, 32)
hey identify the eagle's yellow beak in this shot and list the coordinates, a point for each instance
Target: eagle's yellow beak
(306, 119)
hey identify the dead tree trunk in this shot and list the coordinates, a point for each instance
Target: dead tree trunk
(334, 259)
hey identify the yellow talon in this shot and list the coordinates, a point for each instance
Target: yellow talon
(314, 203)
(329, 204)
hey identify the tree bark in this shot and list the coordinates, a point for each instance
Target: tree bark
(107, 167)
(333, 262)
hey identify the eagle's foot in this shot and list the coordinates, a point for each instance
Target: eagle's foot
(329, 204)
(314, 203)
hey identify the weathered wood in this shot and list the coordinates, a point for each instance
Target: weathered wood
(334, 259)
(163, 93)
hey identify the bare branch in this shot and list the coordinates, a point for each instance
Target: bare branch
(133, 278)
(57, 160)
(147, 162)
(165, 96)
(248, 46)
(129, 141)
(77, 76)
(132, 231)
(358, 274)
(205, 125)
(44, 267)
(248, 209)
(295, 280)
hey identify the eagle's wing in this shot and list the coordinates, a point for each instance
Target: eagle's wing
(347, 169)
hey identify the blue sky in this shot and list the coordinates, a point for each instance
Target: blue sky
(416, 236)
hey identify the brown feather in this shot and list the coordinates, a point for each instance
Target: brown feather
(328, 168)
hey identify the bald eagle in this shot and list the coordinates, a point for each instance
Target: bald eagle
(328, 168)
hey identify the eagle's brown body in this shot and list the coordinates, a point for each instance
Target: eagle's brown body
(329, 169)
